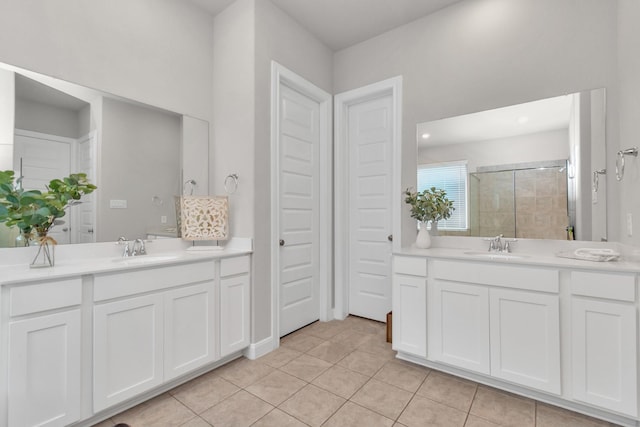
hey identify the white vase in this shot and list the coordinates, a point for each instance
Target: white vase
(423, 241)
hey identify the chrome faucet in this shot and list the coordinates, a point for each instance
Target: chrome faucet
(138, 248)
(123, 241)
(499, 244)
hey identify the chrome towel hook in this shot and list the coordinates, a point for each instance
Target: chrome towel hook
(620, 161)
(596, 175)
(231, 183)
(192, 185)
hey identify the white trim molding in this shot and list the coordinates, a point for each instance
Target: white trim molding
(279, 76)
(259, 349)
(343, 101)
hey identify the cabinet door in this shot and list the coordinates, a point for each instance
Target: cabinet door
(234, 314)
(525, 338)
(189, 329)
(127, 352)
(410, 314)
(604, 338)
(459, 325)
(44, 370)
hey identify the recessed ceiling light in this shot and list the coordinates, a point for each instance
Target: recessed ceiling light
(522, 120)
(425, 136)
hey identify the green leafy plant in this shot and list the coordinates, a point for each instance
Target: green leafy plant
(430, 205)
(35, 210)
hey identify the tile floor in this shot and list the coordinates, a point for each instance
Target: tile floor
(339, 374)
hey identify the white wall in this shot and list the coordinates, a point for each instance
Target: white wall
(483, 54)
(536, 147)
(7, 118)
(154, 51)
(44, 118)
(247, 36)
(629, 112)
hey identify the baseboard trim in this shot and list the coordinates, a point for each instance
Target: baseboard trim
(259, 349)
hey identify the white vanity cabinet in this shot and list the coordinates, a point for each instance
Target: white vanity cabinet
(604, 335)
(498, 320)
(44, 352)
(150, 326)
(235, 304)
(409, 296)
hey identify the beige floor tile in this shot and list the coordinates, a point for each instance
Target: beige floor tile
(105, 423)
(382, 398)
(330, 351)
(325, 330)
(349, 337)
(277, 418)
(552, 416)
(240, 410)
(366, 326)
(473, 421)
(203, 392)
(377, 345)
(353, 415)
(306, 367)
(312, 405)
(244, 372)
(161, 411)
(425, 412)
(196, 422)
(402, 375)
(276, 387)
(363, 362)
(341, 381)
(503, 409)
(301, 342)
(279, 357)
(449, 390)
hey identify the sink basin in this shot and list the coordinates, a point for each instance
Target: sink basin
(496, 255)
(145, 259)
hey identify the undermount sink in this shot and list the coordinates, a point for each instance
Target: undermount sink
(145, 259)
(495, 255)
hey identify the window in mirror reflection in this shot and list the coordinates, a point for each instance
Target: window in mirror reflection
(452, 178)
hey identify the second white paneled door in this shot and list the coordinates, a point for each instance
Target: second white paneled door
(302, 114)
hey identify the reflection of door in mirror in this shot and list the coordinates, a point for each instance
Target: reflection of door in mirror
(522, 201)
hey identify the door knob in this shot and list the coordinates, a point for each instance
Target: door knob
(65, 229)
(390, 237)
(281, 242)
(90, 230)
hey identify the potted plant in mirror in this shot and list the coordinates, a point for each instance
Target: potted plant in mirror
(430, 205)
(34, 212)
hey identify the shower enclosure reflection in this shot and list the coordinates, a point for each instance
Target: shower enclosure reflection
(521, 201)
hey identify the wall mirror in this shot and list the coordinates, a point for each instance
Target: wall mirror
(131, 151)
(533, 170)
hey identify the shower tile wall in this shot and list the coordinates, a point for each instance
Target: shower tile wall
(495, 204)
(541, 203)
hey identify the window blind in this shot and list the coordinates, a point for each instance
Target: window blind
(452, 178)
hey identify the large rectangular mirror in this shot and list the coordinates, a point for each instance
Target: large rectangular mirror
(533, 170)
(133, 153)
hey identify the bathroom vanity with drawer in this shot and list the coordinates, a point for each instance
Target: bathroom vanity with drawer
(556, 330)
(82, 342)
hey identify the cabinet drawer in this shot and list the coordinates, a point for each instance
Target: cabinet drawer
(37, 297)
(109, 286)
(234, 266)
(614, 286)
(508, 276)
(414, 266)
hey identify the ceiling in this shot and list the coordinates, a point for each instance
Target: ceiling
(342, 23)
(31, 90)
(522, 119)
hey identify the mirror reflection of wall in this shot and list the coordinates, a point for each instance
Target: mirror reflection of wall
(131, 151)
(503, 150)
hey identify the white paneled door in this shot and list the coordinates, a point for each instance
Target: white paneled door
(370, 133)
(299, 183)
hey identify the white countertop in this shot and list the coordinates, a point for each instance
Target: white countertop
(158, 255)
(534, 255)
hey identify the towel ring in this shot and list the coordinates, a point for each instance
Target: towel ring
(192, 185)
(620, 161)
(231, 183)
